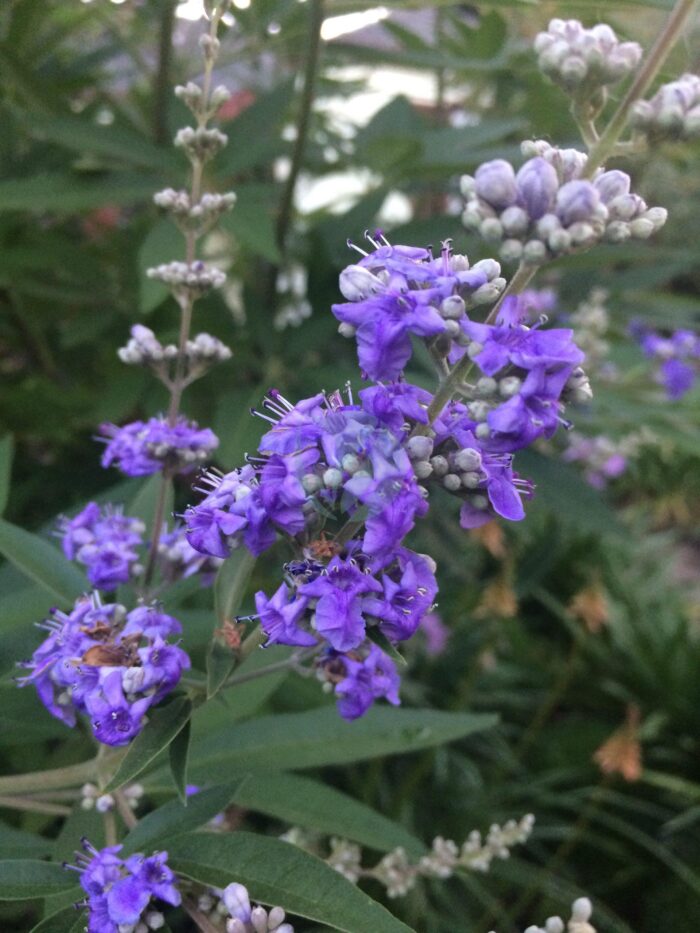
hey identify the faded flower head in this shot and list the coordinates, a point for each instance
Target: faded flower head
(107, 663)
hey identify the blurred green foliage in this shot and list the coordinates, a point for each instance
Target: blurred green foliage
(87, 129)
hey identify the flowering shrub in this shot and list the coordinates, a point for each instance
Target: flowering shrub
(328, 511)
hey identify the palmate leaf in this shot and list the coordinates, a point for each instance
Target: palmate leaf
(23, 879)
(279, 873)
(40, 561)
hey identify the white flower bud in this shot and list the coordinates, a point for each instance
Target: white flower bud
(467, 459)
(452, 308)
(358, 283)
(419, 447)
(452, 482)
(332, 478)
(422, 468)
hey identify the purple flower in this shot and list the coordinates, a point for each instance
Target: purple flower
(119, 891)
(409, 589)
(677, 378)
(341, 591)
(179, 560)
(106, 542)
(601, 457)
(280, 617)
(396, 291)
(436, 633)
(678, 355)
(144, 447)
(114, 720)
(364, 681)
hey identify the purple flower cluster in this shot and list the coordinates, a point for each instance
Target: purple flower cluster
(362, 470)
(120, 891)
(396, 291)
(528, 374)
(342, 600)
(603, 459)
(106, 541)
(547, 209)
(107, 663)
(678, 356)
(321, 456)
(144, 447)
(178, 560)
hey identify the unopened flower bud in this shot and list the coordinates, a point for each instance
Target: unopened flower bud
(495, 183)
(467, 459)
(452, 308)
(419, 447)
(576, 201)
(537, 187)
(491, 229)
(440, 465)
(358, 283)
(452, 482)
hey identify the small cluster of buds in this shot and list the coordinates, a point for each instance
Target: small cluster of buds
(188, 279)
(547, 210)
(581, 911)
(200, 144)
(92, 797)
(200, 216)
(295, 307)
(582, 61)
(233, 905)
(192, 96)
(591, 322)
(144, 349)
(399, 875)
(672, 113)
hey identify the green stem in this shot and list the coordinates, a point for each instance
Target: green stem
(55, 779)
(34, 806)
(162, 76)
(286, 665)
(665, 41)
(307, 99)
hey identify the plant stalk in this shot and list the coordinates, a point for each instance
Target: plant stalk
(658, 54)
(313, 57)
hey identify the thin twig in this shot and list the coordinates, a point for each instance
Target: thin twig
(305, 107)
(32, 805)
(658, 54)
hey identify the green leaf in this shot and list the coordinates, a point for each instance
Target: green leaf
(562, 490)
(41, 562)
(229, 590)
(20, 843)
(381, 641)
(178, 753)
(277, 872)
(67, 920)
(304, 802)
(163, 244)
(165, 723)
(71, 193)
(173, 818)
(21, 879)
(321, 737)
(6, 452)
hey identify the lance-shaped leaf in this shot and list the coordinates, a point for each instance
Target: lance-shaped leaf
(165, 723)
(40, 561)
(279, 873)
(22, 879)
